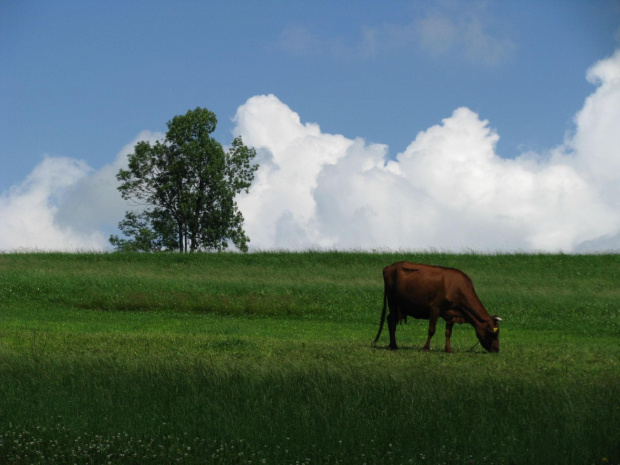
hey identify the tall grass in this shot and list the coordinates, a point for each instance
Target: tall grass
(266, 358)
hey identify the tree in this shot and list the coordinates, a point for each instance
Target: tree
(186, 187)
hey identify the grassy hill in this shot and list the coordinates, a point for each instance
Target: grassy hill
(266, 358)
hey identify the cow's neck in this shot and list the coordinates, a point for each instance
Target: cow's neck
(478, 315)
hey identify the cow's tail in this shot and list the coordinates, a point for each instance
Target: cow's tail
(382, 316)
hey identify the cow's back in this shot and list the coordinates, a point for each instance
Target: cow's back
(421, 284)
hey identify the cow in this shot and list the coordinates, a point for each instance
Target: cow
(429, 292)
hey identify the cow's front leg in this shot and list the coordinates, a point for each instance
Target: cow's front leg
(392, 320)
(448, 334)
(432, 326)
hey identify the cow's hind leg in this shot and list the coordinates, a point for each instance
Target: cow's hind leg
(432, 326)
(392, 320)
(448, 334)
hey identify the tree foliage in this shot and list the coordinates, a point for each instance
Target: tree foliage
(185, 186)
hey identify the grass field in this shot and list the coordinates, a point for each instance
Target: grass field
(266, 358)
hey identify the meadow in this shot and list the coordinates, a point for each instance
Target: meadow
(266, 358)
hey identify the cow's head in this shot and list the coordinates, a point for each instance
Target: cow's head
(488, 334)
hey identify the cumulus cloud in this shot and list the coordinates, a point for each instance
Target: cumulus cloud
(292, 155)
(64, 204)
(448, 190)
(596, 143)
(28, 210)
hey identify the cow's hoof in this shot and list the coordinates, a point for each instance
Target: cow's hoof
(426, 349)
(394, 347)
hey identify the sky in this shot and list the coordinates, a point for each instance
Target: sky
(489, 126)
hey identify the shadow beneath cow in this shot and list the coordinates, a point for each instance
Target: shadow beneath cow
(473, 350)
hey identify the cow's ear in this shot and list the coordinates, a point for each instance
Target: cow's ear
(492, 329)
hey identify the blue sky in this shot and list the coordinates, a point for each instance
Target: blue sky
(79, 80)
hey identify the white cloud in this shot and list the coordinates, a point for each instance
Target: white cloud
(292, 156)
(596, 143)
(28, 210)
(63, 204)
(447, 190)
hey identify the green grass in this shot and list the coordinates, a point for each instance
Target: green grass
(266, 358)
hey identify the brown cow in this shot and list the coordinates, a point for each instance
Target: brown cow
(429, 292)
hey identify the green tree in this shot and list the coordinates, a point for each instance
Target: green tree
(185, 187)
